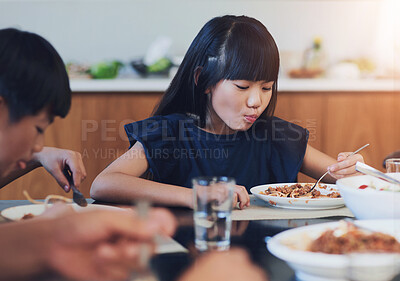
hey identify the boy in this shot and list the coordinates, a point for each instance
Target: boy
(101, 245)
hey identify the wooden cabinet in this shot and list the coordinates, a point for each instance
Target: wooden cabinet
(344, 121)
(337, 121)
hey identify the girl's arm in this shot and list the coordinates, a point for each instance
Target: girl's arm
(120, 182)
(316, 163)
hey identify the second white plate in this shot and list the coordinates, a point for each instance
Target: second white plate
(17, 212)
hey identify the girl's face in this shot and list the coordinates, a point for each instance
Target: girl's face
(236, 104)
(19, 140)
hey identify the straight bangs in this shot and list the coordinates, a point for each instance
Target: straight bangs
(249, 55)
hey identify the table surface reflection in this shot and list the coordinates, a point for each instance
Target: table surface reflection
(249, 235)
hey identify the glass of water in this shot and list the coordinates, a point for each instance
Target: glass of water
(213, 198)
(393, 165)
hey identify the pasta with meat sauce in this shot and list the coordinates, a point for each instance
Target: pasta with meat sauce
(299, 191)
(354, 240)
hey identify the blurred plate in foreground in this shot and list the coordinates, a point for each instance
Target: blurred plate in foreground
(291, 246)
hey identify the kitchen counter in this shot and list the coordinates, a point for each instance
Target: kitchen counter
(284, 84)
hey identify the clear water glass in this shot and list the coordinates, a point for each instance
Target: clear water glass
(213, 198)
(393, 165)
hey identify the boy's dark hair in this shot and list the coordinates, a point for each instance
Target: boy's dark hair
(32, 76)
(228, 47)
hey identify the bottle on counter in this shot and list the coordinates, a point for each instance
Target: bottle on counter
(314, 62)
(315, 59)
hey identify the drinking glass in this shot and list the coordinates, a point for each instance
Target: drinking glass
(393, 165)
(212, 212)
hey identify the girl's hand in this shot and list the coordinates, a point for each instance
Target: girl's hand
(346, 165)
(240, 196)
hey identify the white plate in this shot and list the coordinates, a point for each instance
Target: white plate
(17, 212)
(299, 203)
(319, 266)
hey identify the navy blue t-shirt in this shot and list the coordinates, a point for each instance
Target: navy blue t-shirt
(271, 151)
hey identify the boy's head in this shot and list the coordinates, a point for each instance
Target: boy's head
(32, 76)
(34, 88)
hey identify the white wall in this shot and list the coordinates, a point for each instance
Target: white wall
(84, 30)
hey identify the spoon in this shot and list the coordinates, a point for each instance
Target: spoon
(368, 170)
(355, 152)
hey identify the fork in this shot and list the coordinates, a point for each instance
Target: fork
(351, 154)
(77, 195)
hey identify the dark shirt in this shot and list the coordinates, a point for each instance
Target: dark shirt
(271, 151)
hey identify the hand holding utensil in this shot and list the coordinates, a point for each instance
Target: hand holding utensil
(355, 152)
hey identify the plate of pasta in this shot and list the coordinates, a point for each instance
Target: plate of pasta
(298, 195)
(366, 250)
(24, 212)
(38, 208)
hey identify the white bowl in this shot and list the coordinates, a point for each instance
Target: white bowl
(310, 266)
(370, 203)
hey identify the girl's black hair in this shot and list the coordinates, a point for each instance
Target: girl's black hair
(32, 76)
(228, 47)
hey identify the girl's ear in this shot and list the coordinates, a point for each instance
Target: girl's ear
(197, 72)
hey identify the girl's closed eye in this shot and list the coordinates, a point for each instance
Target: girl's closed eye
(241, 87)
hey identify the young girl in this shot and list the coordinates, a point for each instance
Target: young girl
(216, 118)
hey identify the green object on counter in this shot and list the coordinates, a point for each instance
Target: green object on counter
(105, 70)
(161, 65)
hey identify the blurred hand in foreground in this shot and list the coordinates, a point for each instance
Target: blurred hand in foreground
(233, 265)
(103, 244)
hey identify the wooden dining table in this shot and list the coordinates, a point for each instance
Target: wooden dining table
(250, 235)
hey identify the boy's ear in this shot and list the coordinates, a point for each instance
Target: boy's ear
(197, 72)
